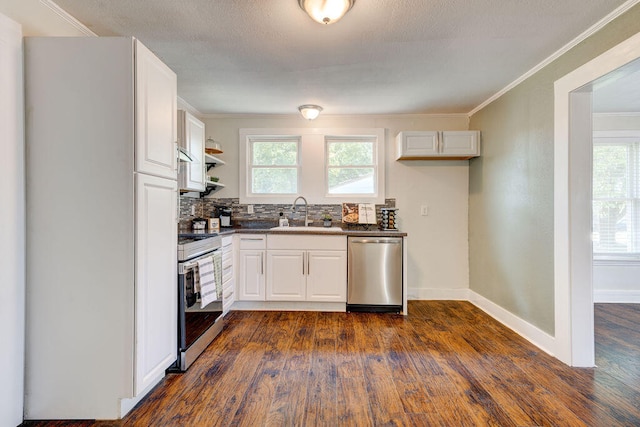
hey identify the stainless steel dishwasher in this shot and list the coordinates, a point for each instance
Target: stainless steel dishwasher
(374, 272)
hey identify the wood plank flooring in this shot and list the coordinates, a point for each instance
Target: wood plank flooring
(446, 364)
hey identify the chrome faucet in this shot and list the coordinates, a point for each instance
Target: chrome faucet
(306, 209)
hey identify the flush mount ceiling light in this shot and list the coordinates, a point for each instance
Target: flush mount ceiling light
(310, 111)
(326, 11)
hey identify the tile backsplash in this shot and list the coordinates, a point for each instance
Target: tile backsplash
(203, 208)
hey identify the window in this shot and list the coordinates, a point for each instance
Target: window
(326, 166)
(351, 166)
(616, 197)
(274, 165)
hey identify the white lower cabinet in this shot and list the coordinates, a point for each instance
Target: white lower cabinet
(306, 275)
(286, 275)
(228, 282)
(251, 269)
(306, 268)
(327, 276)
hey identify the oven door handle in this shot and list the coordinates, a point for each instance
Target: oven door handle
(190, 264)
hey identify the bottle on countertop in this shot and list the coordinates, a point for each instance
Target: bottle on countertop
(283, 221)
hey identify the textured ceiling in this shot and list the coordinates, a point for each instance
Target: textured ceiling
(383, 57)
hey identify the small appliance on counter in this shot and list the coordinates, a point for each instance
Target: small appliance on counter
(224, 213)
(198, 224)
(388, 218)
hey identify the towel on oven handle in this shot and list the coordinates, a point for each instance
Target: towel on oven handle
(208, 285)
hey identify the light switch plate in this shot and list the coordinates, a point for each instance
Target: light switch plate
(424, 210)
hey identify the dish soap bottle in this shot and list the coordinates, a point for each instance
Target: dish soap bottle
(283, 221)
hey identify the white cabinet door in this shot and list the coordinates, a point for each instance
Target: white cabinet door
(460, 143)
(156, 103)
(191, 138)
(251, 275)
(416, 144)
(156, 296)
(327, 276)
(286, 275)
(228, 282)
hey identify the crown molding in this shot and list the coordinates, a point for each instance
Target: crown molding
(67, 17)
(184, 105)
(589, 32)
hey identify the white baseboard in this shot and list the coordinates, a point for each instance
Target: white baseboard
(126, 405)
(531, 333)
(289, 306)
(438, 294)
(616, 296)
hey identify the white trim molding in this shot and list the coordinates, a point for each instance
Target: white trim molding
(67, 17)
(616, 296)
(573, 297)
(526, 330)
(589, 32)
(438, 294)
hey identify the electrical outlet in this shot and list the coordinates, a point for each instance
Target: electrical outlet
(424, 210)
(249, 209)
(193, 210)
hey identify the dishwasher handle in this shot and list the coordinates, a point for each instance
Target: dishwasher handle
(389, 240)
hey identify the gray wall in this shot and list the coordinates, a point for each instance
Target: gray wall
(511, 186)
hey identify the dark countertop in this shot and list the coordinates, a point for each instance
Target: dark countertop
(318, 231)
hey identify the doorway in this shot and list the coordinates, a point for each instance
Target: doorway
(573, 257)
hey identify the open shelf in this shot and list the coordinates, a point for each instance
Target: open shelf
(212, 161)
(211, 187)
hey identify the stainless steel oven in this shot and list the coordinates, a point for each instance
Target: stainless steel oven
(197, 325)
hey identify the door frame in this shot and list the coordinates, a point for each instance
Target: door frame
(573, 257)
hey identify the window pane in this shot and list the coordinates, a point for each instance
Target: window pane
(611, 229)
(350, 153)
(610, 171)
(351, 181)
(616, 207)
(274, 181)
(276, 153)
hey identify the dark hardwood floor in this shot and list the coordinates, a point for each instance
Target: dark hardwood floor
(446, 364)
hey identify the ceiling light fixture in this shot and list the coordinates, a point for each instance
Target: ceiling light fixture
(310, 111)
(326, 11)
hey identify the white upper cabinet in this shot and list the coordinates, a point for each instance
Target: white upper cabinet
(191, 137)
(156, 106)
(434, 145)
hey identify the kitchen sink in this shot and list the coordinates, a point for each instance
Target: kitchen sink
(308, 229)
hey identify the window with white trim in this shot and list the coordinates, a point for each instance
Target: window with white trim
(330, 165)
(616, 197)
(351, 166)
(273, 166)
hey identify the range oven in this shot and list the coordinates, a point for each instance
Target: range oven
(197, 325)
